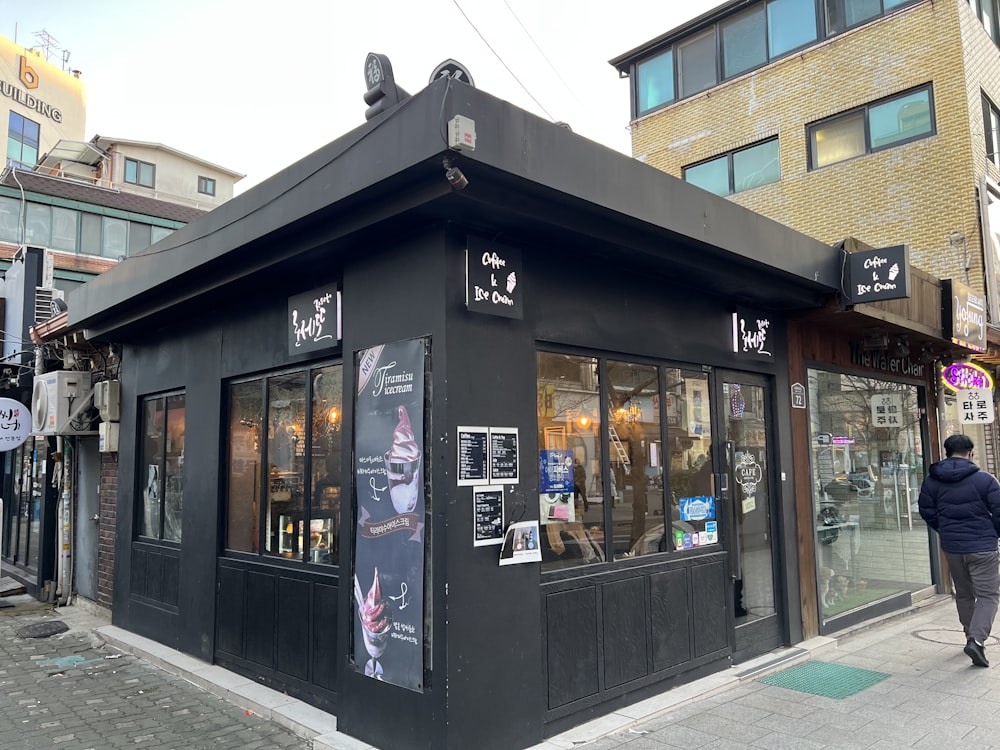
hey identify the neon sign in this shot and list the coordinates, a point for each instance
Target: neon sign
(964, 376)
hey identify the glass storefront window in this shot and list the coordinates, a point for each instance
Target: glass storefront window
(867, 466)
(569, 443)
(654, 449)
(289, 461)
(161, 467)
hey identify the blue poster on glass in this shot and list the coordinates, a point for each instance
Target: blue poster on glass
(701, 508)
(556, 471)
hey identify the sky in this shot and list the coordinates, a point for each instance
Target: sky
(254, 87)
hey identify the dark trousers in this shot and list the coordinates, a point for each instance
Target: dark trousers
(977, 590)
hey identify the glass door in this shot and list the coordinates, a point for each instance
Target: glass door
(745, 413)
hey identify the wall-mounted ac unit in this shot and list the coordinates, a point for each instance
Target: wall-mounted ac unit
(56, 401)
(107, 396)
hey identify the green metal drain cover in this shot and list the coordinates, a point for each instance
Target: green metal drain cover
(829, 680)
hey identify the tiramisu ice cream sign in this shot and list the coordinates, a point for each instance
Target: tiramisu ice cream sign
(389, 469)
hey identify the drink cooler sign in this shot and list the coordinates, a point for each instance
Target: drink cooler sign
(389, 471)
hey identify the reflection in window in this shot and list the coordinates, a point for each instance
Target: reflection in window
(10, 220)
(22, 141)
(140, 173)
(284, 473)
(790, 24)
(655, 81)
(573, 494)
(689, 443)
(38, 225)
(738, 170)
(161, 467)
(867, 465)
(115, 238)
(743, 41)
(991, 126)
(893, 121)
(64, 227)
(636, 455)
(696, 63)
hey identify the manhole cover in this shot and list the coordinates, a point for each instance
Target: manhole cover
(43, 629)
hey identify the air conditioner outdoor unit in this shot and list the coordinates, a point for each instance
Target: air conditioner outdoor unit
(56, 399)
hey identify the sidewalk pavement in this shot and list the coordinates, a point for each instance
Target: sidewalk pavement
(97, 686)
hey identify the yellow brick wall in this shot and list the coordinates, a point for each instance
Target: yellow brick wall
(917, 194)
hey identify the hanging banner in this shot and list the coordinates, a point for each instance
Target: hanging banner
(975, 406)
(389, 469)
(15, 424)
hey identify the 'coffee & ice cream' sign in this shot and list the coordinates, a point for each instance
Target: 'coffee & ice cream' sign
(873, 275)
(493, 278)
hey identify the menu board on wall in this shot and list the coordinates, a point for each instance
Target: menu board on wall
(473, 449)
(487, 507)
(504, 455)
(389, 468)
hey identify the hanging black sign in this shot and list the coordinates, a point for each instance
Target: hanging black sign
(752, 334)
(493, 278)
(389, 479)
(314, 320)
(964, 314)
(873, 275)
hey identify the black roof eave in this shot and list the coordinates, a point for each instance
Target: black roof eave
(393, 165)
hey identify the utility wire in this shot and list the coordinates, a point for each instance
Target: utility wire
(495, 54)
(541, 52)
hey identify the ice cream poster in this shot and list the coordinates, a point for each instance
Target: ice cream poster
(555, 473)
(389, 478)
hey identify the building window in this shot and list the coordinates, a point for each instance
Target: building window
(988, 12)
(991, 126)
(284, 472)
(22, 141)
(737, 170)
(160, 472)
(744, 42)
(605, 477)
(696, 63)
(791, 24)
(890, 122)
(655, 82)
(761, 32)
(867, 465)
(206, 185)
(140, 173)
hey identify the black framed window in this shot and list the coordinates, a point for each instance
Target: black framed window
(284, 464)
(206, 185)
(988, 12)
(160, 472)
(991, 127)
(751, 37)
(140, 173)
(737, 170)
(616, 439)
(23, 136)
(889, 122)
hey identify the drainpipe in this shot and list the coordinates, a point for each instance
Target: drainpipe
(65, 546)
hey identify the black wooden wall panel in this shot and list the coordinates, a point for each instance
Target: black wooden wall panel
(230, 611)
(324, 636)
(711, 625)
(138, 577)
(260, 608)
(624, 622)
(171, 580)
(670, 618)
(571, 638)
(293, 627)
(154, 576)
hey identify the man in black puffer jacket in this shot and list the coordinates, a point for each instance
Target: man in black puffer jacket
(962, 504)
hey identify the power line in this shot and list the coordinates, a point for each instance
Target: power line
(541, 52)
(495, 54)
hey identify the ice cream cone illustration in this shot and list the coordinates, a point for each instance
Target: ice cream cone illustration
(402, 465)
(376, 624)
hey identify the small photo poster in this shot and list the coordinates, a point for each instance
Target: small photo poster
(521, 544)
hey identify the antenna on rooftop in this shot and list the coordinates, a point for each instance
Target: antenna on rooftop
(48, 45)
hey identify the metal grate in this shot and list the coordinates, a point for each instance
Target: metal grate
(829, 680)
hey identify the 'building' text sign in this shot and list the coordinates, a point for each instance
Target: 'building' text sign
(873, 275)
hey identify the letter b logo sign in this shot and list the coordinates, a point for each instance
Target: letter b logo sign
(28, 75)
